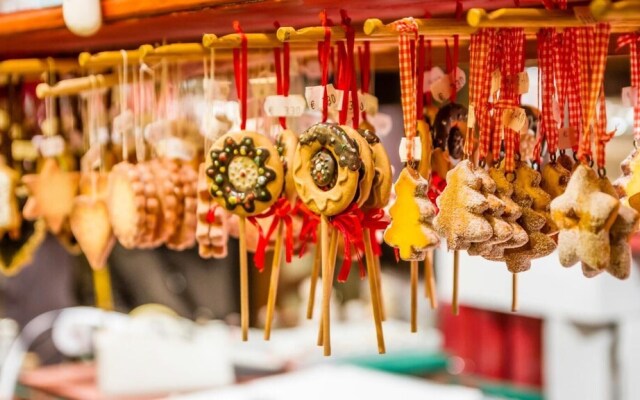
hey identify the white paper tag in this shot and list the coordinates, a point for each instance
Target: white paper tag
(514, 118)
(629, 96)
(216, 90)
(281, 106)
(263, 87)
(315, 96)
(5, 198)
(566, 138)
(430, 77)
(496, 81)
(555, 109)
(441, 89)
(417, 149)
(368, 103)
(49, 146)
(176, 149)
(471, 116)
(522, 82)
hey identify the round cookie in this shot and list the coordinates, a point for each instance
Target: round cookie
(246, 173)
(383, 177)
(449, 125)
(286, 144)
(326, 169)
(126, 204)
(367, 168)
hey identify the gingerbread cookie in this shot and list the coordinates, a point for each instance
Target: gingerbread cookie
(185, 235)
(449, 125)
(426, 141)
(411, 230)
(166, 173)
(382, 179)
(246, 173)
(90, 225)
(462, 204)
(126, 203)
(326, 169)
(554, 179)
(584, 214)
(212, 231)
(286, 144)
(527, 189)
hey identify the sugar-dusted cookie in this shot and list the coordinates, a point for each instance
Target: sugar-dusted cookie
(584, 214)
(245, 171)
(326, 169)
(462, 204)
(554, 179)
(527, 188)
(411, 230)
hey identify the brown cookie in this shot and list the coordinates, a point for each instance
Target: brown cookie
(383, 178)
(126, 203)
(286, 143)
(367, 167)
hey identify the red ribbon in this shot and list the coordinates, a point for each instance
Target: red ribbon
(309, 230)
(375, 220)
(281, 212)
(282, 73)
(420, 78)
(349, 224)
(364, 54)
(324, 55)
(240, 73)
(436, 187)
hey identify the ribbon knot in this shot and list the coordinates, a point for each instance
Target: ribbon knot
(281, 212)
(349, 224)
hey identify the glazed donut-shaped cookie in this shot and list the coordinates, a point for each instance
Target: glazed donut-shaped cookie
(382, 179)
(367, 169)
(286, 144)
(326, 168)
(246, 173)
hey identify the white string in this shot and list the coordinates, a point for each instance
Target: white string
(123, 102)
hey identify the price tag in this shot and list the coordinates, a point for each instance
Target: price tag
(629, 96)
(555, 109)
(496, 81)
(281, 106)
(471, 116)
(315, 95)
(567, 138)
(49, 146)
(368, 103)
(416, 149)
(514, 118)
(430, 77)
(216, 90)
(23, 150)
(441, 89)
(522, 82)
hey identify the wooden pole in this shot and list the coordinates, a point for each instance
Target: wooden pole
(244, 280)
(454, 302)
(273, 284)
(378, 271)
(315, 271)
(327, 282)
(374, 290)
(102, 288)
(414, 296)
(514, 292)
(333, 253)
(429, 281)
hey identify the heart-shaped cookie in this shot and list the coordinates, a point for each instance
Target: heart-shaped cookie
(91, 226)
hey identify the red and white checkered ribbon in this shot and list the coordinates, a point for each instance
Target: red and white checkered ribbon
(548, 129)
(632, 39)
(593, 45)
(408, 30)
(482, 64)
(511, 53)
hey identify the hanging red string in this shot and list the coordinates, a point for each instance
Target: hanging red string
(350, 35)
(281, 66)
(420, 79)
(428, 67)
(241, 74)
(324, 56)
(631, 39)
(364, 54)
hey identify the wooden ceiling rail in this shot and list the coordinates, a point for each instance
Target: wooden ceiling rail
(428, 26)
(619, 12)
(234, 40)
(76, 85)
(35, 66)
(112, 58)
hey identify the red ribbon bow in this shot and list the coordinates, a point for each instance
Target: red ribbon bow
(375, 220)
(281, 212)
(349, 224)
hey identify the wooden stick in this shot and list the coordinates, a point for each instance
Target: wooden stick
(273, 285)
(102, 288)
(333, 253)
(244, 280)
(378, 271)
(327, 281)
(429, 281)
(374, 289)
(514, 292)
(414, 296)
(454, 302)
(315, 271)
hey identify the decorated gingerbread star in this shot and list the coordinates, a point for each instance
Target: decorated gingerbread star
(584, 214)
(51, 195)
